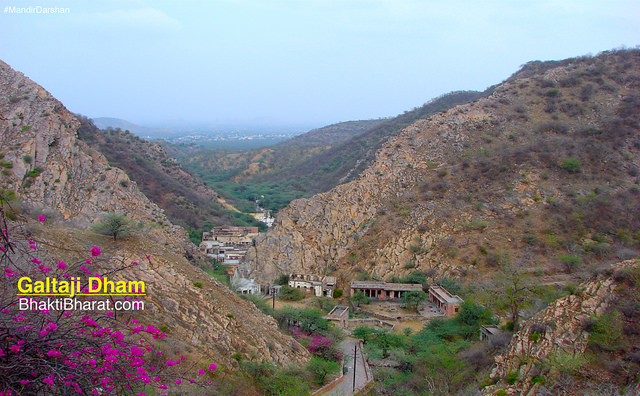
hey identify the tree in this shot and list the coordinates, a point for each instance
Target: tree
(358, 298)
(514, 292)
(113, 225)
(413, 299)
(283, 279)
(321, 368)
(291, 293)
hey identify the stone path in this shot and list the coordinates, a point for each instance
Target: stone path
(363, 371)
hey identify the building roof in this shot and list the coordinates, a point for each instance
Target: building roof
(338, 312)
(367, 285)
(329, 279)
(443, 295)
(493, 330)
(386, 286)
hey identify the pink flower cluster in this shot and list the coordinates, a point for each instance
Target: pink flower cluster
(87, 354)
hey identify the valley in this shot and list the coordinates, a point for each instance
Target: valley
(482, 243)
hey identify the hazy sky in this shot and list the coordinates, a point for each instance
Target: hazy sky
(293, 61)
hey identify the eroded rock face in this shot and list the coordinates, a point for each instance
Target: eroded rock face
(450, 188)
(53, 172)
(558, 330)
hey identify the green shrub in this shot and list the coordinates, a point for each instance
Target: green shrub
(571, 165)
(569, 261)
(34, 173)
(198, 285)
(512, 377)
(113, 225)
(538, 380)
(606, 332)
(321, 369)
(291, 293)
(283, 279)
(337, 293)
(26, 159)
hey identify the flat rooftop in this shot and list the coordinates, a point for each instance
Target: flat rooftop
(443, 294)
(385, 286)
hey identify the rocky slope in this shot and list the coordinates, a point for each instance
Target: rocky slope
(54, 173)
(186, 200)
(544, 173)
(553, 343)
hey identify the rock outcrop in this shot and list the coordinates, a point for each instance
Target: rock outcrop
(54, 173)
(454, 193)
(553, 337)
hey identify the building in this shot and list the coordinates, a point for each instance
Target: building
(383, 290)
(445, 302)
(228, 244)
(339, 315)
(488, 332)
(243, 285)
(320, 284)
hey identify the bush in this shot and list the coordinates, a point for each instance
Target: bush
(321, 368)
(570, 262)
(291, 293)
(337, 293)
(413, 299)
(512, 377)
(113, 225)
(606, 332)
(34, 173)
(283, 279)
(571, 165)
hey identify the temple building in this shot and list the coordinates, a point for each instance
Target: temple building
(320, 284)
(383, 290)
(444, 301)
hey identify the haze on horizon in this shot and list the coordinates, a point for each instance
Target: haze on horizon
(292, 62)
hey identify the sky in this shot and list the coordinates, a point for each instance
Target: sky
(292, 62)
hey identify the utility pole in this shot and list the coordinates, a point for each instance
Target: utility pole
(273, 298)
(355, 361)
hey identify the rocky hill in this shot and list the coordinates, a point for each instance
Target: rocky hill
(306, 164)
(186, 200)
(584, 343)
(54, 173)
(543, 173)
(242, 166)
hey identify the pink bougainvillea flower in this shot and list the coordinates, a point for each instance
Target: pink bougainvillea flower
(178, 382)
(9, 273)
(134, 263)
(42, 218)
(212, 367)
(95, 251)
(201, 372)
(62, 265)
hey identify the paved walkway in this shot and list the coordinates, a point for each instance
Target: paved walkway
(362, 370)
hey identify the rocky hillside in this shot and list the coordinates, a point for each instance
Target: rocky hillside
(585, 343)
(310, 163)
(53, 173)
(543, 173)
(242, 166)
(187, 201)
